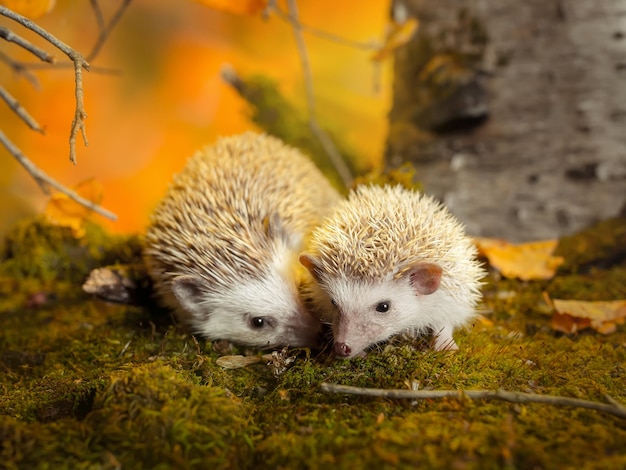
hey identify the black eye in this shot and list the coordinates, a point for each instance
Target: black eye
(257, 322)
(383, 306)
(332, 301)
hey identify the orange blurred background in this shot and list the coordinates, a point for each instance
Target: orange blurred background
(168, 99)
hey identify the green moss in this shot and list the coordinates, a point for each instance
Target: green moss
(404, 175)
(37, 249)
(87, 384)
(602, 245)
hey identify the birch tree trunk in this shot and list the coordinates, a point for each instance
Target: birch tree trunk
(525, 137)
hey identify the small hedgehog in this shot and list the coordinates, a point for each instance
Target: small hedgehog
(389, 261)
(222, 246)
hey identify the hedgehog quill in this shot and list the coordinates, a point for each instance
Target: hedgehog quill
(389, 261)
(222, 246)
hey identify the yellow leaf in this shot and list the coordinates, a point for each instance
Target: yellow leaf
(65, 212)
(397, 35)
(574, 315)
(237, 7)
(30, 8)
(525, 261)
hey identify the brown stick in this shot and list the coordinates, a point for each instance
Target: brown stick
(325, 140)
(20, 69)
(43, 180)
(8, 35)
(19, 110)
(79, 64)
(613, 407)
(105, 30)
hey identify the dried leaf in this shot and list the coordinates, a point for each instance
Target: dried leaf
(63, 211)
(240, 7)
(237, 362)
(30, 8)
(111, 284)
(397, 35)
(525, 261)
(573, 315)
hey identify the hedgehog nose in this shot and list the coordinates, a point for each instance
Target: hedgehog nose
(342, 349)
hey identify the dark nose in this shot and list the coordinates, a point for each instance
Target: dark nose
(342, 349)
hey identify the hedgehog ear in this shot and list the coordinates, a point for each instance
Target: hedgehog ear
(312, 263)
(425, 278)
(189, 293)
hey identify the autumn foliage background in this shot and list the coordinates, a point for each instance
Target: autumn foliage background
(165, 97)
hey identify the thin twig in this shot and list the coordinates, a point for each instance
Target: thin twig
(121, 353)
(43, 180)
(97, 12)
(79, 64)
(334, 155)
(67, 65)
(78, 123)
(8, 35)
(19, 110)
(67, 50)
(105, 30)
(20, 69)
(368, 46)
(613, 407)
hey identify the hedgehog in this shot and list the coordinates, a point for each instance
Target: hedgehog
(387, 261)
(222, 245)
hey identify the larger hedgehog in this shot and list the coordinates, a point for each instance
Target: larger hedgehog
(388, 261)
(222, 245)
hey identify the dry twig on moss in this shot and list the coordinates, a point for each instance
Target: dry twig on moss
(613, 407)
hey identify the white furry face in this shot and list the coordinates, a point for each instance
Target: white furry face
(366, 313)
(260, 313)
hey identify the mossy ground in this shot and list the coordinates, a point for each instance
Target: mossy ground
(86, 384)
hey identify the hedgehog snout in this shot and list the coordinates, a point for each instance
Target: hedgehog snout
(342, 349)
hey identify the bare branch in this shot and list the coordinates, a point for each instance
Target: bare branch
(19, 110)
(79, 64)
(67, 65)
(613, 407)
(326, 141)
(78, 122)
(20, 69)
(8, 35)
(44, 181)
(368, 46)
(105, 30)
(67, 50)
(97, 11)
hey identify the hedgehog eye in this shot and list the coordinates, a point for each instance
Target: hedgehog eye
(257, 322)
(383, 307)
(332, 301)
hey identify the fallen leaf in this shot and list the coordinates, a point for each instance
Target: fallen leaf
(65, 212)
(237, 362)
(239, 7)
(30, 8)
(525, 261)
(397, 35)
(574, 315)
(112, 284)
